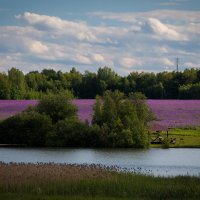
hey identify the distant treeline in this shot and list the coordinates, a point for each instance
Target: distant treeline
(164, 85)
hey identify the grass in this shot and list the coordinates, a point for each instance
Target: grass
(188, 131)
(188, 137)
(61, 181)
(56, 197)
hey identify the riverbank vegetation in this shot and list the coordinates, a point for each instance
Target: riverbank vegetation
(118, 121)
(164, 85)
(61, 181)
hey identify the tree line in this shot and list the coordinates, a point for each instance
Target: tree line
(118, 121)
(34, 85)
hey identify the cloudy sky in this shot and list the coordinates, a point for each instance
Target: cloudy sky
(126, 35)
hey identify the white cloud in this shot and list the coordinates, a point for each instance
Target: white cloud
(148, 41)
(132, 17)
(79, 30)
(165, 24)
(45, 21)
(37, 47)
(192, 65)
(163, 31)
(129, 62)
(98, 58)
(82, 59)
(167, 62)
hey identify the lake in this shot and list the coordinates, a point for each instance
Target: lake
(154, 161)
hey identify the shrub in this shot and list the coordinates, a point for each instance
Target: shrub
(57, 107)
(122, 120)
(29, 128)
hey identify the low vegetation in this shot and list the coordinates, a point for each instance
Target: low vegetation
(118, 121)
(59, 181)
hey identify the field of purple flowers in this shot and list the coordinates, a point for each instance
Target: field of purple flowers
(169, 113)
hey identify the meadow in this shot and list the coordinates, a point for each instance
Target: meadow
(169, 113)
(60, 181)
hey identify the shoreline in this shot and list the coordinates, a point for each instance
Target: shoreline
(136, 170)
(48, 181)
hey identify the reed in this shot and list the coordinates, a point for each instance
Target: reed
(56, 181)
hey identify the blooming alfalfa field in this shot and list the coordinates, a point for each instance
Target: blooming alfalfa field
(169, 113)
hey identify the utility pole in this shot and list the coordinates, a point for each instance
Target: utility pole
(177, 60)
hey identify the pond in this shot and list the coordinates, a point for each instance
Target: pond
(155, 161)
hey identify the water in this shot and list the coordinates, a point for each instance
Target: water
(158, 162)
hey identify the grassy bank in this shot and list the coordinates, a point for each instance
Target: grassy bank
(53, 181)
(185, 137)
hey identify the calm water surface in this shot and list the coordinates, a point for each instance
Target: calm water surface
(159, 162)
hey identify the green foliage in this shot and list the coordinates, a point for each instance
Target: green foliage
(189, 91)
(70, 133)
(29, 128)
(122, 120)
(119, 121)
(164, 85)
(17, 84)
(143, 110)
(57, 107)
(108, 79)
(51, 123)
(4, 87)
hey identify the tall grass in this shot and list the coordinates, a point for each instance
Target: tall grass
(92, 181)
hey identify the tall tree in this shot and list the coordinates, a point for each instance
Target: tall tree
(18, 84)
(122, 121)
(4, 87)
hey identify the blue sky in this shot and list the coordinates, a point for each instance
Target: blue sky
(126, 35)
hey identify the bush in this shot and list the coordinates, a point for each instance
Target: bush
(57, 107)
(122, 120)
(29, 128)
(70, 133)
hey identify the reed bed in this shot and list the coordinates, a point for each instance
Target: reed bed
(20, 173)
(56, 181)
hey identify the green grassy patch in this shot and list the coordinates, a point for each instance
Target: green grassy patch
(185, 131)
(185, 137)
(12, 196)
(118, 187)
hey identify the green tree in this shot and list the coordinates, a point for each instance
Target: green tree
(108, 79)
(189, 91)
(122, 120)
(89, 86)
(17, 82)
(57, 107)
(29, 128)
(70, 132)
(4, 87)
(75, 81)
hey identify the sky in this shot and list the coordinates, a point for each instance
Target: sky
(125, 35)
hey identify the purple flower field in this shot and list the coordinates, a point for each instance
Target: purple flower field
(170, 113)
(9, 108)
(176, 113)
